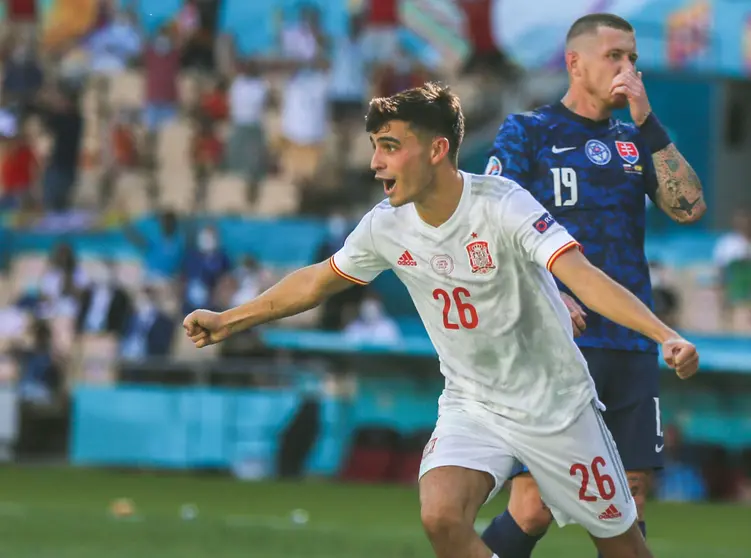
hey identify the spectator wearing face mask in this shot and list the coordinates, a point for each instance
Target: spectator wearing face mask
(204, 268)
(372, 325)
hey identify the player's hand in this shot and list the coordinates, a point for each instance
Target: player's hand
(681, 356)
(630, 84)
(205, 328)
(578, 315)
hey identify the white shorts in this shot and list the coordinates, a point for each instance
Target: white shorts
(578, 470)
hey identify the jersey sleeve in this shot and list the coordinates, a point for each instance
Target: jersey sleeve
(358, 261)
(532, 231)
(510, 156)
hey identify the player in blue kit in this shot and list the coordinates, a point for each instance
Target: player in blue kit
(591, 172)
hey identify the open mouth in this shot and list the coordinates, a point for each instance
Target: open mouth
(389, 185)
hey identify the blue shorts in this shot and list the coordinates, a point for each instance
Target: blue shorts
(156, 115)
(628, 383)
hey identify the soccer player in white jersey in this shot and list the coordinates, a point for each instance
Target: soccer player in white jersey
(475, 253)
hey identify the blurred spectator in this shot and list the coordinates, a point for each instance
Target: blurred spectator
(63, 281)
(372, 325)
(150, 331)
(679, 480)
(21, 11)
(305, 122)
(249, 280)
(40, 376)
(62, 116)
(196, 24)
(349, 87)
(305, 97)
(732, 255)
(206, 154)
(105, 306)
(164, 252)
(18, 172)
(735, 245)
(304, 40)
(249, 97)
(664, 295)
(161, 68)
(486, 60)
(188, 20)
(214, 102)
(121, 153)
(381, 37)
(204, 268)
(22, 74)
(112, 47)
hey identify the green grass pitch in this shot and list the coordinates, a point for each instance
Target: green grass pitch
(63, 513)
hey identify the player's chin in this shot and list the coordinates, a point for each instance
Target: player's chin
(396, 197)
(397, 201)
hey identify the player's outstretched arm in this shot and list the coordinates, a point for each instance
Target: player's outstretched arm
(606, 297)
(301, 290)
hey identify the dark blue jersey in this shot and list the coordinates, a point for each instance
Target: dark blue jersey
(592, 177)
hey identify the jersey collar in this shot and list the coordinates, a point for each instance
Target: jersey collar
(563, 109)
(445, 229)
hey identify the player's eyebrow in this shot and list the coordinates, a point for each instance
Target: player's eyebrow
(385, 139)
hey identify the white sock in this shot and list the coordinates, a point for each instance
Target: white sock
(495, 556)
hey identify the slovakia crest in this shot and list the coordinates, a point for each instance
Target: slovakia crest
(628, 151)
(597, 152)
(494, 167)
(480, 259)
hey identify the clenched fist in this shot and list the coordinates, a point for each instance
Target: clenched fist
(205, 328)
(681, 356)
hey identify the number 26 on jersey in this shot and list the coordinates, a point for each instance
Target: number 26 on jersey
(565, 186)
(468, 318)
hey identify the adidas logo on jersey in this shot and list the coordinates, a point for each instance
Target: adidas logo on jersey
(407, 260)
(610, 513)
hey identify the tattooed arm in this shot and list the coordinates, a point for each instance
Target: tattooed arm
(679, 192)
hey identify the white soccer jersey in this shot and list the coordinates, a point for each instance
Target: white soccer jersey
(481, 285)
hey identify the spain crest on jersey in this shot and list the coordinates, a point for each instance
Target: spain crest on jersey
(480, 259)
(628, 151)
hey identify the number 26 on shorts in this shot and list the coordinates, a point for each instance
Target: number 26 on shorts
(604, 482)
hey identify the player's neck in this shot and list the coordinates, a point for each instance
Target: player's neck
(585, 106)
(440, 203)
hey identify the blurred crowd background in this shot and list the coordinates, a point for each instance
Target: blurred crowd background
(164, 155)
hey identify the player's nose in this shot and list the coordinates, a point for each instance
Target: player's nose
(376, 162)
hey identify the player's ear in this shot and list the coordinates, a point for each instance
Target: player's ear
(572, 63)
(439, 149)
